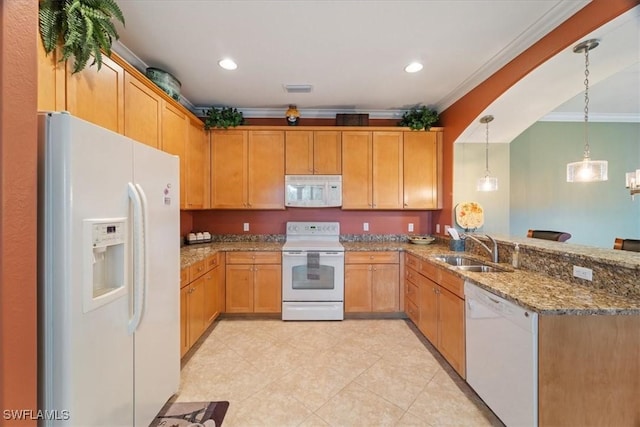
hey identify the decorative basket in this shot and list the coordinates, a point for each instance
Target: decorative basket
(352, 120)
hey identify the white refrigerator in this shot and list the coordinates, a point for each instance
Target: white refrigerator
(108, 276)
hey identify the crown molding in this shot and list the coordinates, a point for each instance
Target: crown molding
(312, 113)
(593, 117)
(549, 21)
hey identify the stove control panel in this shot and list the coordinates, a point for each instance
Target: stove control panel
(297, 228)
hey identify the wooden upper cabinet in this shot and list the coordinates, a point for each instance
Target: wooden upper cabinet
(198, 167)
(327, 152)
(356, 170)
(313, 152)
(422, 163)
(265, 170)
(97, 96)
(142, 113)
(51, 75)
(387, 170)
(371, 170)
(247, 169)
(229, 169)
(299, 152)
(174, 134)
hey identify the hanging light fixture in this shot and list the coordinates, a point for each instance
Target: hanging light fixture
(587, 170)
(633, 182)
(487, 182)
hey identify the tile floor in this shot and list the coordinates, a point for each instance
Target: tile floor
(349, 373)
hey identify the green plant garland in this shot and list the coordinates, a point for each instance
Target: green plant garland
(419, 118)
(81, 27)
(223, 118)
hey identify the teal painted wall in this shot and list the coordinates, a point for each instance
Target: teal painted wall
(469, 166)
(594, 213)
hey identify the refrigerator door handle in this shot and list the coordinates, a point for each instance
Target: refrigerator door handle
(138, 257)
(145, 245)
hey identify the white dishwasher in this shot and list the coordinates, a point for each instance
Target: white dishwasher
(502, 355)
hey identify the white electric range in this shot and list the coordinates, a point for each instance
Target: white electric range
(313, 272)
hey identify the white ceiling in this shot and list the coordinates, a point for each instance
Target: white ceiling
(351, 52)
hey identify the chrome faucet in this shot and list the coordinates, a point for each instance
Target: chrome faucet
(493, 253)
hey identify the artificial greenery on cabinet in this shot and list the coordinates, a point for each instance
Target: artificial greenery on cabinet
(419, 118)
(224, 117)
(82, 28)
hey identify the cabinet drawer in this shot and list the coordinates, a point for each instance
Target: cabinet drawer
(253, 257)
(411, 275)
(411, 261)
(213, 261)
(452, 282)
(184, 277)
(196, 270)
(412, 311)
(411, 292)
(429, 270)
(372, 258)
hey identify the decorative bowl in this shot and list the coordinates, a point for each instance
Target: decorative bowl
(422, 240)
(165, 81)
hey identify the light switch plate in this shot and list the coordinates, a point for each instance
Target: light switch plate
(245, 226)
(365, 226)
(410, 227)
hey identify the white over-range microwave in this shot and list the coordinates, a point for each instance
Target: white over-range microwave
(313, 191)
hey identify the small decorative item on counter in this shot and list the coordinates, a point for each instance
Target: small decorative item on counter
(515, 259)
(198, 237)
(293, 115)
(421, 240)
(456, 245)
(469, 215)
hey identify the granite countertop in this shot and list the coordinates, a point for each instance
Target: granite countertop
(537, 292)
(192, 254)
(530, 290)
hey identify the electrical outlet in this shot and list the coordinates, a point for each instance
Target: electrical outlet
(583, 273)
(437, 228)
(365, 226)
(410, 227)
(245, 226)
(446, 227)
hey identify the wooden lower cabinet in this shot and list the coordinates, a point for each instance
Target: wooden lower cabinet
(371, 282)
(199, 298)
(440, 308)
(588, 370)
(253, 282)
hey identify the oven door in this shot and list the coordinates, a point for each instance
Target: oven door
(312, 276)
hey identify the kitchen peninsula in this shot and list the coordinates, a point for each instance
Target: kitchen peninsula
(589, 348)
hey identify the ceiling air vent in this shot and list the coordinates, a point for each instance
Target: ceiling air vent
(298, 88)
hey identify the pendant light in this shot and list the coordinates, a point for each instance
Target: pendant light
(487, 182)
(587, 170)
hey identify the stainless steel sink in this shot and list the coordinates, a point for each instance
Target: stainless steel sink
(469, 264)
(481, 268)
(458, 260)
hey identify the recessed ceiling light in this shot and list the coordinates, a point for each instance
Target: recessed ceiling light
(414, 67)
(228, 64)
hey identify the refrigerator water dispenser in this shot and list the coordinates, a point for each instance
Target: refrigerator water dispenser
(104, 261)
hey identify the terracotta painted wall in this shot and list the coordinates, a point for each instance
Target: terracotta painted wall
(274, 222)
(18, 133)
(464, 111)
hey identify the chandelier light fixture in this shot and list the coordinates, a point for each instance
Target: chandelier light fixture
(487, 182)
(587, 170)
